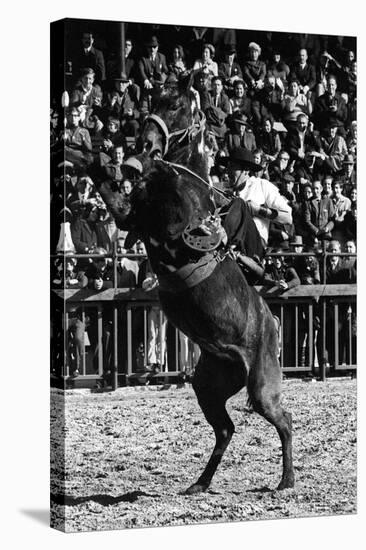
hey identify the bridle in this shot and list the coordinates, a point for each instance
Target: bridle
(177, 136)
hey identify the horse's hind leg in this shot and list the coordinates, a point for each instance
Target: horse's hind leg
(213, 384)
(264, 390)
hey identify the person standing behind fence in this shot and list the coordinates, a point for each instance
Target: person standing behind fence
(156, 321)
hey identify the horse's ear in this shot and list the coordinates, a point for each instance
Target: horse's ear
(185, 82)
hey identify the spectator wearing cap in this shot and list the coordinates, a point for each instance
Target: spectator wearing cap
(348, 175)
(87, 92)
(120, 104)
(230, 70)
(241, 135)
(294, 103)
(76, 140)
(89, 56)
(330, 106)
(254, 70)
(319, 215)
(152, 67)
(206, 62)
(240, 102)
(269, 140)
(304, 72)
(332, 150)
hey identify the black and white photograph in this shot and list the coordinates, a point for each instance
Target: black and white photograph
(183, 361)
(203, 274)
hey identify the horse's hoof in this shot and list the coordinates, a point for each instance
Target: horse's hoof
(287, 483)
(195, 489)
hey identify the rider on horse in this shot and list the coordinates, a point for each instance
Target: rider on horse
(257, 197)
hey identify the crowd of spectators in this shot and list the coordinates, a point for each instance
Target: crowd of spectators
(289, 99)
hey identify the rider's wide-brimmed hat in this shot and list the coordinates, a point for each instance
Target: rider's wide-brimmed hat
(243, 158)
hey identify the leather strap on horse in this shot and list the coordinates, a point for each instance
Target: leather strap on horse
(189, 275)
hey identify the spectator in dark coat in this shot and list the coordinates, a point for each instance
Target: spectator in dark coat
(304, 72)
(89, 56)
(241, 135)
(89, 233)
(230, 70)
(330, 106)
(152, 67)
(319, 215)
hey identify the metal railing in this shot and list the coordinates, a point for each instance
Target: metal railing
(318, 327)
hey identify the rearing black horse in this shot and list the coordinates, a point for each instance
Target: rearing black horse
(204, 293)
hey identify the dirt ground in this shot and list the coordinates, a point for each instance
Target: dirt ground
(128, 455)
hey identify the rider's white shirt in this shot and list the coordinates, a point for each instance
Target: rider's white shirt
(263, 192)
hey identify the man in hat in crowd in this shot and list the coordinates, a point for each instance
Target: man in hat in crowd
(218, 109)
(330, 107)
(242, 134)
(89, 56)
(332, 149)
(123, 106)
(152, 67)
(348, 175)
(229, 70)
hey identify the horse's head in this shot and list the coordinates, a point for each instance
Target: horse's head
(174, 114)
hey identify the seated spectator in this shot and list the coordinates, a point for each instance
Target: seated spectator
(331, 152)
(326, 66)
(298, 211)
(294, 104)
(66, 276)
(330, 106)
(201, 90)
(152, 67)
(280, 168)
(278, 68)
(76, 140)
(342, 205)
(88, 232)
(240, 103)
(269, 141)
(230, 70)
(219, 108)
(301, 144)
(122, 106)
(100, 271)
(254, 72)
(241, 134)
(270, 99)
(89, 56)
(350, 219)
(110, 135)
(351, 140)
(87, 92)
(112, 167)
(348, 176)
(319, 215)
(114, 66)
(177, 64)
(206, 62)
(304, 72)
